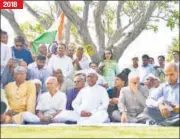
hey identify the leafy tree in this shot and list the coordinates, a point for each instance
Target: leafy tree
(111, 32)
(115, 26)
(32, 31)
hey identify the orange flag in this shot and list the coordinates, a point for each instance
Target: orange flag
(60, 27)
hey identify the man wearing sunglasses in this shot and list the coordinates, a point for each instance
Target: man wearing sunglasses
(19, 51)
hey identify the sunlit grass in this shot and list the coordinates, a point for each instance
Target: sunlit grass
(90, 132)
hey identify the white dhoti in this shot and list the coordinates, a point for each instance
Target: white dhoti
(60, 118)
(95, 118)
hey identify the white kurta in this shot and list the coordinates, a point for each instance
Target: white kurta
(101, 80)
(90, 99)
(48, 105)
(84, 62)
(64, 63)
(6, 54)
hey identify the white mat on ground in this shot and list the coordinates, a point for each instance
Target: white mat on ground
(74, 125)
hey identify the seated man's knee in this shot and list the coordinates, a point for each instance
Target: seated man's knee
(116, 115)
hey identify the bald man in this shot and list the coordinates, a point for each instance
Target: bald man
(90, 105)
(49, 106)
(132, 101)
(163, 105)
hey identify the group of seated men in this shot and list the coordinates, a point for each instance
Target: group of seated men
(90, 103)
(49, 90)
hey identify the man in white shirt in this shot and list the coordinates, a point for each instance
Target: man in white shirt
(61, 61)
(81, 61)
(150, 83)
(6, 53)
(176, 57)
(90, 105)
(135, 64)
(101, 80)
(49, 106)
(145, 69)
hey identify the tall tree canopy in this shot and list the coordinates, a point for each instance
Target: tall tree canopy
(115, 26)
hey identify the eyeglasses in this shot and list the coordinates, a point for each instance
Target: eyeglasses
(77, 81)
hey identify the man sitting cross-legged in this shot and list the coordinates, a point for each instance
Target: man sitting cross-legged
(21, 96)
(49, 106)
(163, 105)
(132, 101)
(90, 105)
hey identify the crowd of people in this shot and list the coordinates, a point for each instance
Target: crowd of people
(62, 85)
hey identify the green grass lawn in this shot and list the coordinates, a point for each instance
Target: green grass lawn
(89, 132)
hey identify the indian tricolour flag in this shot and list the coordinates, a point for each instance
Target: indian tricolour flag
(54, 33)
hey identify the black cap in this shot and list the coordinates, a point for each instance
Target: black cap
(3, 107)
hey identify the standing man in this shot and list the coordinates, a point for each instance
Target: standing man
(39, 71)
(176, 57)
(70, 51)
(161, 61)
(6, 52)
(145, 69)
(159, 70)
(135, 64)
(163, 105)
(81, 61)
(101, 80)
(61, 61)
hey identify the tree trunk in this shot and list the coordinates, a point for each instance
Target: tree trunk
(81, 27)
(67, 32)
(9, 15)
(135, 32)
(121, 37)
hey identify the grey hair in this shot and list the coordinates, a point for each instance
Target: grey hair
(83, 77)
(19, 68)
(51, 78)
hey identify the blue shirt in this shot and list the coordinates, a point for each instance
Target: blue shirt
(41, 74)
(71, 95)
(165, 92)
(22, 54)
(145, 71)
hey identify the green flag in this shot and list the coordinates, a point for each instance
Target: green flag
(45, 38)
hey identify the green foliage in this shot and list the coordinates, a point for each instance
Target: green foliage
(130, 7)
(173, 46)
(152, 27)
(78, 9)
(75, 33)
(32, 31)
(168, 11)
(109, 19)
